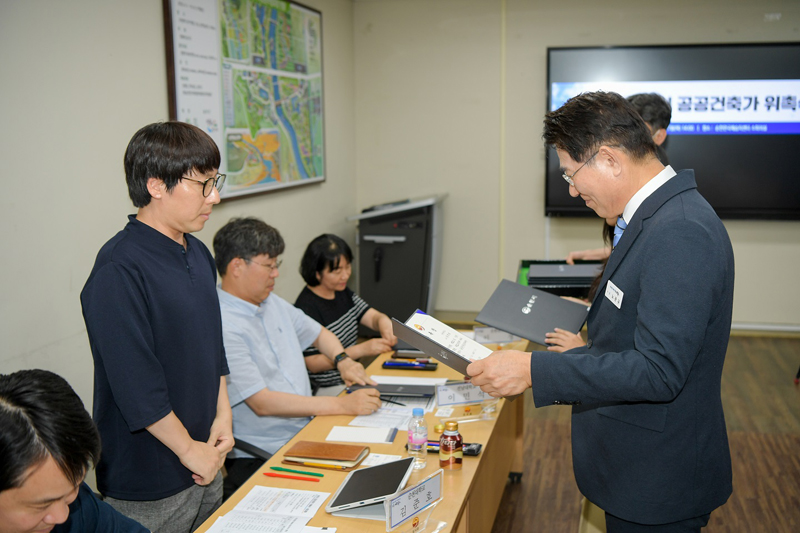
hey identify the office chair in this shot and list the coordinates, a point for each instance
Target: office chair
(255, 451)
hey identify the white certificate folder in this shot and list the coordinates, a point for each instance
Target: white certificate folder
(440, 341)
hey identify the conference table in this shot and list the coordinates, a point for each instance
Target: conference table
(471, 496)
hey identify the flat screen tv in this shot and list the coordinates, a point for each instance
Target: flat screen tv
(735, 118)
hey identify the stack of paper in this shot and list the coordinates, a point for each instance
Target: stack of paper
(376, 435)
(272, 510)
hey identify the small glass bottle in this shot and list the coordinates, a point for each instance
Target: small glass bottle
(451, 447)
(418, 438)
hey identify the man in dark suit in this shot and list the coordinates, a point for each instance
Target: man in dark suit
(649, 442)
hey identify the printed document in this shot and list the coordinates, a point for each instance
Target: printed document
(447, 337)
(271, 510)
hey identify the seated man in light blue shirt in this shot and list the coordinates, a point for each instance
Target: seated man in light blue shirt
(264, 339)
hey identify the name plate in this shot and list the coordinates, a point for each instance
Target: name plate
(409, 503)
(460, 393)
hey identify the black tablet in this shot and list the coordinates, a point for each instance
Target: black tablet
(371, 485)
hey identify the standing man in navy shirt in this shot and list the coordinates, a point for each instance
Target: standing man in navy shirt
(152, 315)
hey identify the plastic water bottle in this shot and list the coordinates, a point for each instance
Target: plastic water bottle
(418, 438)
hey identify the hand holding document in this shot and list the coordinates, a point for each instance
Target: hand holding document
(504, 374)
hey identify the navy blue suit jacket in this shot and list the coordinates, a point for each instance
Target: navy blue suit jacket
(649, 443)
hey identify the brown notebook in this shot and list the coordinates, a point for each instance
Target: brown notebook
(341, 457)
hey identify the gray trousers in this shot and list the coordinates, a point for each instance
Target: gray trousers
(179, 513)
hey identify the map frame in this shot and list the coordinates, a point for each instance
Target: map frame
(250, 74)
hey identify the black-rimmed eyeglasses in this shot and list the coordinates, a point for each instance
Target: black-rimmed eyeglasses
(568, 177)
(218, 181)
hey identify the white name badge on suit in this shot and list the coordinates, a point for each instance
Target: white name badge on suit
(614, 294)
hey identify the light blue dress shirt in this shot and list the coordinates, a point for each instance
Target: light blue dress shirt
(264, 345)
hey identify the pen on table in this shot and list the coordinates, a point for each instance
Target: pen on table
(392, 401)
(329, 467)
(281, 469)
(403, 364)
(413, 358)
(273, 474)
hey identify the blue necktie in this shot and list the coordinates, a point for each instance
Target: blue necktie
(619, 229)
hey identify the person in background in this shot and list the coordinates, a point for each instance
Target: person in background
(152, 315)
(561, 340)
(264, 339)
(326, 267)
(649, 442)
(657, 114)
(47, 444)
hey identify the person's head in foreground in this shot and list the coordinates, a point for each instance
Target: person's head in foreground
(47, 444)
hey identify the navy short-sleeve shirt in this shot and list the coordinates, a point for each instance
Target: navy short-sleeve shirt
(152, 314)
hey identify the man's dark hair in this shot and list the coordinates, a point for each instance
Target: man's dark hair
(245, 238)
(41, 417)
(324, 251)
(653, 108)
(590, 120)
(166, 150)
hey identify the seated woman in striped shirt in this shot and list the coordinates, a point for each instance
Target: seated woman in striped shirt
(326, 268)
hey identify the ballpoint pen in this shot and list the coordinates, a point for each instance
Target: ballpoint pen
(281, 469)
(399, 364)
(410, 357)
(392, 401)
(329, 467)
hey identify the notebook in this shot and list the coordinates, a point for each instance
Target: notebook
(363, 491)
(530, 313)
(338, 456)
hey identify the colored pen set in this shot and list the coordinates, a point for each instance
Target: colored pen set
(288, 476)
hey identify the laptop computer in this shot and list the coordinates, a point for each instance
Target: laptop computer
(530, 313)
(563, 274)
(363, 491)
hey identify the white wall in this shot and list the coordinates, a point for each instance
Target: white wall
(77, 79)
(414, 90)
(450, 101)
(428, 122)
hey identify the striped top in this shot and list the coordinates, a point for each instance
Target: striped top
(341, 316)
